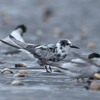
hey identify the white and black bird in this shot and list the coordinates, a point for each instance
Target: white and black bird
(52, 52)
(75, 69)
(18, 34)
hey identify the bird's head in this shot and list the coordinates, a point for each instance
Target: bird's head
(93, 56)
(65, 45)
(21, 28)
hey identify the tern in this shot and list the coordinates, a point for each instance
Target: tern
(52, 52)
(75, 69)
(95, 57)
(18, 34)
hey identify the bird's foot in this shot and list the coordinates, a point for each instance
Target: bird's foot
(83, 80)
(77, 80)
(48, 70)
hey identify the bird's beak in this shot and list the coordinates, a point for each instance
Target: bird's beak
(72, 46)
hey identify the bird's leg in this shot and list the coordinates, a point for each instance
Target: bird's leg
(46, 69)
(50, 68)
(83, 80)
(77, 80)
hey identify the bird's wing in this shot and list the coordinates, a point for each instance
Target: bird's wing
(40, 51)
(76, 67)
(21, 45)
(9, 44)
(45, 51)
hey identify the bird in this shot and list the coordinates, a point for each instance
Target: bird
(95, 57)
(52, 52)
(18, 34)
(75, 70)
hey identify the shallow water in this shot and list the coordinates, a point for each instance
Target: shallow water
(78, 21)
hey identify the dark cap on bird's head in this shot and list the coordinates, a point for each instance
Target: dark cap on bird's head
(93, 55)
(67, 43)
(23, 27)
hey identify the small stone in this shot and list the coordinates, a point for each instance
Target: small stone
(47, 14)
(39, 32)
(3, 13)
(91, 45)
(6, 20)
(95, 76)
(93, 86)
(17, 83)
(22, 72)
(83, 37)
(6, 71)
(19, 75)
(84, 30)
(57, 32)
(2, 62)
(21, 65)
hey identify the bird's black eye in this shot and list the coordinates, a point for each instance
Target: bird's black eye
(67, 43)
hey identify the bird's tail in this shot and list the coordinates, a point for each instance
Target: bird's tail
(21, 44)
(9, 44)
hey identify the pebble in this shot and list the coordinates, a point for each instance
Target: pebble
(3, 13)
(93, 86)
(2, 62)
(21, 65)
(6, 20)
(91, 45)
(22, 72)
(16, 83)
(95, 76)
(6, 71)
(57, 32)
(83, 37)
(84, 30)
(39, 32)
(47, 14)
(19, 75)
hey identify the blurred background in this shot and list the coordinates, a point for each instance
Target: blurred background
(48, 21)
